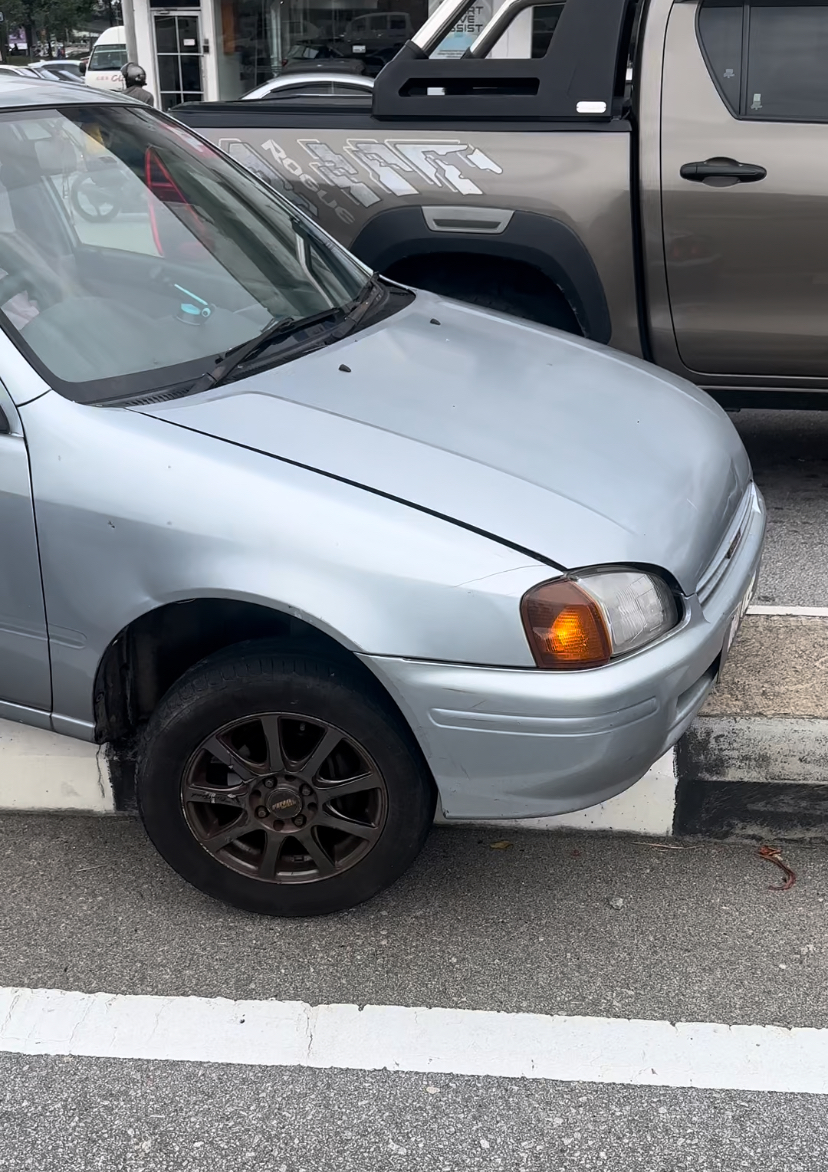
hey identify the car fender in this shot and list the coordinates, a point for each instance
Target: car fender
(134, 513)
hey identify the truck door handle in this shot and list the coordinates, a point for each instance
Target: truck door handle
(722, 169)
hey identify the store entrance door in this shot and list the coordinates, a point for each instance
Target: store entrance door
(178, 51)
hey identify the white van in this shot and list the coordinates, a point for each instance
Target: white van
(108, 56)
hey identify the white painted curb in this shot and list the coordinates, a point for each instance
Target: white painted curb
(44, 771)
(41, 770)
(648, 807)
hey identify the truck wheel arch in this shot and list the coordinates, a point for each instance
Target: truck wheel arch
(540, 242)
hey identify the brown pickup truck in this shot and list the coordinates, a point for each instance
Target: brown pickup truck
(654, 177)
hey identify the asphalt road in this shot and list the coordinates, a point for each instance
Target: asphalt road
(88, 906)
(789, 451)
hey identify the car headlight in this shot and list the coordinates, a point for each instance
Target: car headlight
(587, 620)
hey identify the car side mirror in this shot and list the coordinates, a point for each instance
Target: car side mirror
(82, 68)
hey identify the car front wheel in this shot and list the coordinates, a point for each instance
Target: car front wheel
(283, 784)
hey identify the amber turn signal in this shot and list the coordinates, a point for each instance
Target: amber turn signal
(565, 627)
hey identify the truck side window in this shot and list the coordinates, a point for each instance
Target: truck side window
(720, 33)
(768, 58)
(786, 72)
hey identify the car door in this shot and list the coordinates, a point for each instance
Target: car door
(744, 151)
(24, 655)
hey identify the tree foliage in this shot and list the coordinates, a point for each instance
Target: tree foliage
(48, 20)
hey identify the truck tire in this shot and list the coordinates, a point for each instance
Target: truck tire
(512, 288)
(283, 784)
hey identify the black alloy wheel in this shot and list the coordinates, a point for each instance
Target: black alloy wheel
(283, 784)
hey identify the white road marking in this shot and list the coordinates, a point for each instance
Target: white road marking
(808, 612)
(398, 1038)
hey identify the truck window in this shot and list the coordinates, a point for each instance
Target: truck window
(768, 59)
(786, 68)
(720, 33)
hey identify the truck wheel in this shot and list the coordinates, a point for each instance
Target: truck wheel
(283, 784)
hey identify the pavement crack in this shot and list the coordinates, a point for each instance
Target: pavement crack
(310, 1021)
(87, 1009)
(13, 1004)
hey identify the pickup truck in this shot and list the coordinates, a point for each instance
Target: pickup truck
(654, 178)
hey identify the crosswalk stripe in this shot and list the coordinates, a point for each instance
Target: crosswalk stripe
(401, 1038)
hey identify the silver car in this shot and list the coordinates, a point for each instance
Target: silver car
(307, 550)
(312, 85)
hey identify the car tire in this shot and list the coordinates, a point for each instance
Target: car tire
(254, 747)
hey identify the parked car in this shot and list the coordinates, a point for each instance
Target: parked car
(58, 69)
(305, 548)
(47, 70)
(310, 57)
(559, 189)
(377, 33)
(311, 85)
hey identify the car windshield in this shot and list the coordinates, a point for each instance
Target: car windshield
(133, 254)
(108, 57)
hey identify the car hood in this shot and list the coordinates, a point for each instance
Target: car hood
(566, 449)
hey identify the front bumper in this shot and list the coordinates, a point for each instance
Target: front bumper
(521, 743)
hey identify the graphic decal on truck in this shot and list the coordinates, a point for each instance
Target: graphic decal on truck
(339, 171)
(248, 156)
(400, 167)
(394, 163)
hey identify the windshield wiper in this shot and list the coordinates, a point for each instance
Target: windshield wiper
(279, 328)
(346, 317)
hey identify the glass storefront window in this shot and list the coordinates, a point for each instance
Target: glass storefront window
(260, 39)
(225, 49)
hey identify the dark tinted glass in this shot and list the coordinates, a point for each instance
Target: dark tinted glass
(720, 30)
(788, 63)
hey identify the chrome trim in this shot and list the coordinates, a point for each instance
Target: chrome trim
(483, 221)
(440, 23)
(488, 37)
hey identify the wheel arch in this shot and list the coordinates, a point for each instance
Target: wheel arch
(542, 242)
(159, 645)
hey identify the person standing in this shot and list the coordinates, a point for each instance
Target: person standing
(135, 80)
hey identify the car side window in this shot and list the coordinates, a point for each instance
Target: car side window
(15, 302)
(768, 59)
